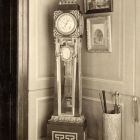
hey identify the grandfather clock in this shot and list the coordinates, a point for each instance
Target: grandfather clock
(67, 122)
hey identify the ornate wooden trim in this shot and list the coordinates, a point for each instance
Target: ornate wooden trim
(22, 96)
(61, 2)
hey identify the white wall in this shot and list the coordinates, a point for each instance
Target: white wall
(112, 71)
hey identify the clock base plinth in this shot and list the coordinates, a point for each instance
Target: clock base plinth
(62, 130)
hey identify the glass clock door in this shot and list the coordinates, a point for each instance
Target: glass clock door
(67, 99)
(68, 78)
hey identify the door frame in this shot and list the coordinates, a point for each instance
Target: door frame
(22, 96)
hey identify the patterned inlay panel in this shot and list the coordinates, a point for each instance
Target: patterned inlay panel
(56, 135)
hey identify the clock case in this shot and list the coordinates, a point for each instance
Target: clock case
(68, 68)
(67, 121)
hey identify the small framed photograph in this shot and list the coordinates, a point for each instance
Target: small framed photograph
(98, 6)
(99, 34)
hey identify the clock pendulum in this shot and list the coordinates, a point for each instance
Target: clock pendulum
(67, 122)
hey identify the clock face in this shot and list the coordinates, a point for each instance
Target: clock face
(66, 23)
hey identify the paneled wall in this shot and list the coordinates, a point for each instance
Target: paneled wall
(101, 71)
(40, 110)
(112, 72)
(41, 66)
(41, 44)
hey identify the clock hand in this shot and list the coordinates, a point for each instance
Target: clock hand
(66, 23)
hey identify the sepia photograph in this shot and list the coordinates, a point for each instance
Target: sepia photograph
(69, 69)
(98, 6)
(99, 34)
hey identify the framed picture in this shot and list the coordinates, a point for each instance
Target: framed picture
(98, 6)
(99, 34)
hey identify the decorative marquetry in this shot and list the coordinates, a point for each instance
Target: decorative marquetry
(56, 135)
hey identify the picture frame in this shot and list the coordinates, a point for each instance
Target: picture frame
(99, 34)
(98, 6)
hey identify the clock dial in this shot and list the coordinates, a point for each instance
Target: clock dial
(66, 23)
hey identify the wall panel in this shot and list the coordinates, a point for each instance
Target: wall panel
(41, 44)
(112, 71)
(40, 110)
(41, 67)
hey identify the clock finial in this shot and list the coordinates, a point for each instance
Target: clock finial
(62, 2)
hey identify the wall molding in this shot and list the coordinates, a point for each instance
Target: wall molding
(49, 82)
(41, 60)
(47, 98)
(94, 99)
(103, 84)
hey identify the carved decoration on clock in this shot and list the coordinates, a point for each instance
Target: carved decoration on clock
(67, 2)
(66, 53)
(56, 14)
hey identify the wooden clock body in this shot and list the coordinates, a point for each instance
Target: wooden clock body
(67, 121)
(68, 29)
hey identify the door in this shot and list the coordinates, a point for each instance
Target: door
(8, 47)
